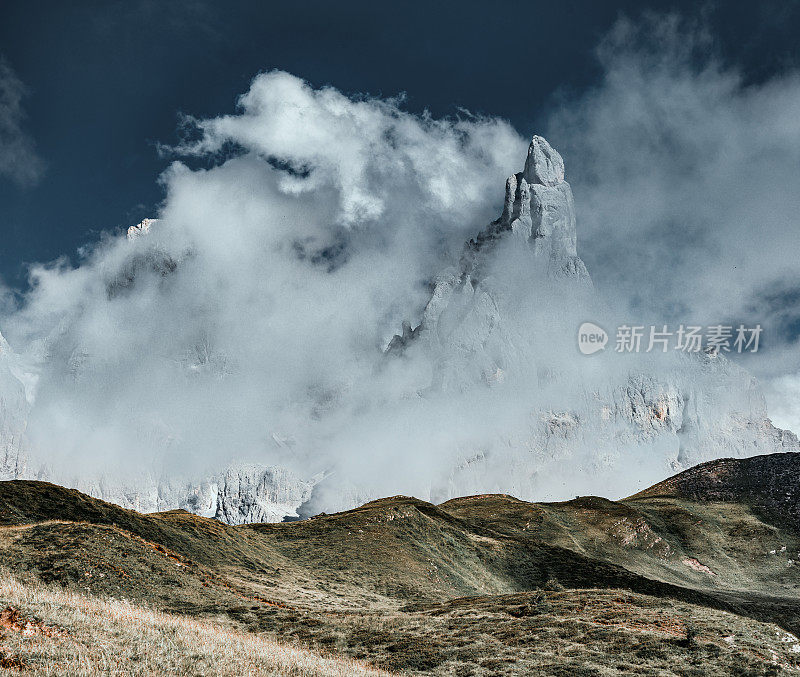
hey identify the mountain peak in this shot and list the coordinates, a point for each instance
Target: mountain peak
(539, 207)
(544, 165)
(141, 228)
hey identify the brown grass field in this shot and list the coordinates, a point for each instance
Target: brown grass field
(83, 635)
(695, 577)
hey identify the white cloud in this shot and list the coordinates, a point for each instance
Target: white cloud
(18, 158)
(783, 396)
(686, 184)
(260, 304)
(264, 297)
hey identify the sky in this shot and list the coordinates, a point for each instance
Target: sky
(314, 172)
(91, 88)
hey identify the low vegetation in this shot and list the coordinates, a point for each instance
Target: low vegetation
(52, 631)
(697, 576)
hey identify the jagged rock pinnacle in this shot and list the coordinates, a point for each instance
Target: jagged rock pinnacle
(543, 165)
(539, 208)
(463, 315)
(141, 228)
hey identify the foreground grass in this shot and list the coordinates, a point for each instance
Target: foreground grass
(479, 587)
(50, 631)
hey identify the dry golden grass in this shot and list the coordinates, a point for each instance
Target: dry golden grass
(64, 633)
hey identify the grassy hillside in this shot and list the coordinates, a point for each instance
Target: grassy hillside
(478, 585)
(767, 484)
(83, 635)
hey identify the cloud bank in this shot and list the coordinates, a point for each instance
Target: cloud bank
(687, 182)
(251, 322)
(686, 177)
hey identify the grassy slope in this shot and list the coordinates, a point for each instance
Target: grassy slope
(378, 582)
(82, 635)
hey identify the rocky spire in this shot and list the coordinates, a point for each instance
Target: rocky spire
(141, 228)
(543, 165)
(538, 210)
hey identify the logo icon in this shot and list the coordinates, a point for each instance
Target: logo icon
(591, 338)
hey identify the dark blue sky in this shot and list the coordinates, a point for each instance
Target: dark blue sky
(108, 79)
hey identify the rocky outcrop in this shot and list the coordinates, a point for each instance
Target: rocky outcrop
(240, 494)
(141, 228)
(540, 210)
(461, 323)
(539, 206)
(254, 493)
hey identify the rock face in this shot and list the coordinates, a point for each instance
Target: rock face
(540, 210)
(622, 435)
(141, 228)
(254, 493)
(240, 494)
(461, 324)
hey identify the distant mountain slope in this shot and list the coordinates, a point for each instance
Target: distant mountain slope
(770, 484)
